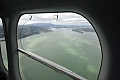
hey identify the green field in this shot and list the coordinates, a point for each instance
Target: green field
(78, 52)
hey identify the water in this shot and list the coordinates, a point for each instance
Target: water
(78, 52)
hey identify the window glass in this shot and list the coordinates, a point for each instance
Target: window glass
(33, 70)
(67, 39)
(3, 45)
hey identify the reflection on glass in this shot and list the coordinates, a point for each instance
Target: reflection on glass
(68, 40)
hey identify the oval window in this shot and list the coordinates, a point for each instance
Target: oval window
(67, 39)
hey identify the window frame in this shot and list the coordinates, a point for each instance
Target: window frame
(13, 58)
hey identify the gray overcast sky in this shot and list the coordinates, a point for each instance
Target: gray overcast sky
(0, 21)
(63, 18)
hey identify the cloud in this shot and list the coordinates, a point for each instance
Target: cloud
(75, 19)
(0, 21)
(63, 18)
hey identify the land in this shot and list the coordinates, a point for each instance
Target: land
(38, 28)
(1, 32)
(82, 30)
(31, 30)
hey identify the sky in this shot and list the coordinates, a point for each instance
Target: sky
(63, 18)
(0, 21)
